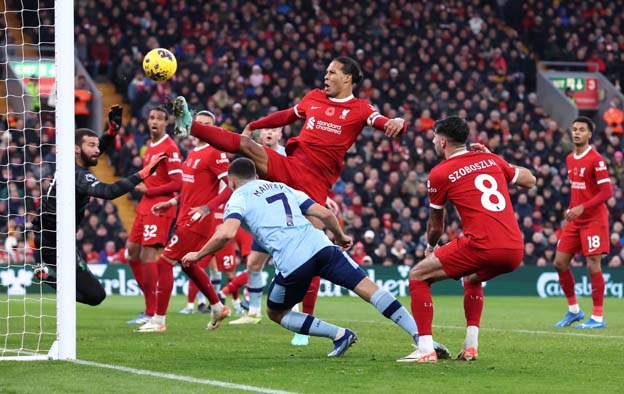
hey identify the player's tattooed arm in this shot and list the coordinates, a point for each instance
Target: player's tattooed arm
(435, 227)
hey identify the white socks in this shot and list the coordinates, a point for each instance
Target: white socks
(472, 337)
(425, 343)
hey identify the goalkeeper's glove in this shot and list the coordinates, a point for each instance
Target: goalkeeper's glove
(114, 120)
(151, 167)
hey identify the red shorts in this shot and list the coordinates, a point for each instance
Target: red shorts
(226, 258)
(150, 230)
(183, 242)
(297, 175)
(460, 259)
(589, 238)
(243, 241)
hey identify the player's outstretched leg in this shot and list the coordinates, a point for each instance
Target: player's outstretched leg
(299, 339)
(392, 309)
(307, 306)
(306, 324)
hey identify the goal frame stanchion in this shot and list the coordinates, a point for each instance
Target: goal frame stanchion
(64, 348)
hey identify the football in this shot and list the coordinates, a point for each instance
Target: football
(159, 64)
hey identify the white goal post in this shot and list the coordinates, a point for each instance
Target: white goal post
(36, 324)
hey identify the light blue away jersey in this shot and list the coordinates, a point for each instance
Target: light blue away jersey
(272, 213)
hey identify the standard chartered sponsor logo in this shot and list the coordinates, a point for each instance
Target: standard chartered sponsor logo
(328, 126)
(548, 286)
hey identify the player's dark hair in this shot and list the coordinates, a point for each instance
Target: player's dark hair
(205, 112)
(584, 119)
(242, 168)
(81, 133)
(350, 66)
(454, 128)
(163, 110)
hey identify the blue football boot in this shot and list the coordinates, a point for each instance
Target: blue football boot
(570, 318)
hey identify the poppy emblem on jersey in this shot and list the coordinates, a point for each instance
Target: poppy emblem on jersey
(330, 111)
(344, 114)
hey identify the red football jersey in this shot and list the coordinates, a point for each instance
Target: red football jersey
(172, 165)
(586, 171)
(331, 126)
(476, 183)
(203, 178)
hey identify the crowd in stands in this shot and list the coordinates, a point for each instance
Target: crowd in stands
(421, 61)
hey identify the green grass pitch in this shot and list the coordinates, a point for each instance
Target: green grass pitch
(520, 351)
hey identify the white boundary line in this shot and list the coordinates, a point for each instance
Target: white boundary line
(188, 379)
(517, 331)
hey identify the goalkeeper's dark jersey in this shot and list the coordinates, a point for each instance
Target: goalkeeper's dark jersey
(87, 186)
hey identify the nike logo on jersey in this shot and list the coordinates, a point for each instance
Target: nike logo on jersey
(313, 107)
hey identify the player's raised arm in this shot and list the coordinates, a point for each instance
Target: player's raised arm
(330, 221)
(224, 234)
(90, 185)
(107, 138)
(394, 127)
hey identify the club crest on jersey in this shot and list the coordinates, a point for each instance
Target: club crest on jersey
(344, 114)
(582, 171)
(330, 111)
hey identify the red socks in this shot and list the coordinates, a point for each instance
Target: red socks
(235, 284)
(566, 280)
(473, 303)
(137, 270)
(422, 305)
(150, 281)
(221, 139)
(598, 288)
(309, 301)
(192, 292)
(202, 280)
(165, 285)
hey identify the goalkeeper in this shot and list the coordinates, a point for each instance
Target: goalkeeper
(87, 151)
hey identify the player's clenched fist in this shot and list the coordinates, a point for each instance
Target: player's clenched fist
(190, 258)
(344, 241)
(394, 127)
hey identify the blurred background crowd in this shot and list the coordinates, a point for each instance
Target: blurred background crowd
(422, 61)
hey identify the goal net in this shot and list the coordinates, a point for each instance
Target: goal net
(36, 143)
